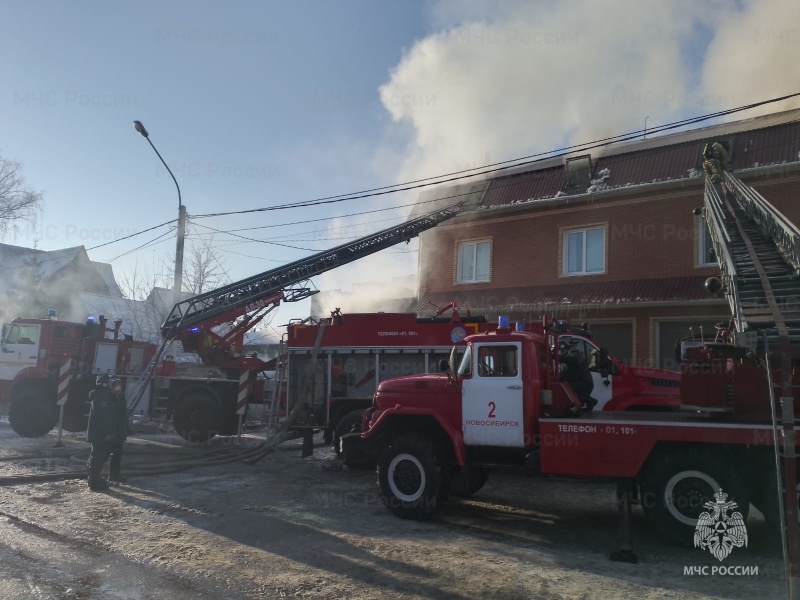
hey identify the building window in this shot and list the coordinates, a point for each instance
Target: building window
(707, 257)
(579, 172)
(474, 260)
(585, 251)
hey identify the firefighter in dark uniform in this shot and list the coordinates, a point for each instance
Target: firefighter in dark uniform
(575, 371)
(715, 161)
(108, 428)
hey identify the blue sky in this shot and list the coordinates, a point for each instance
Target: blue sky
(264, 103)
(260, 105)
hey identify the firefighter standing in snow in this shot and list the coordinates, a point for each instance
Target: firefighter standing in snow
(108, 428)
(715, 161)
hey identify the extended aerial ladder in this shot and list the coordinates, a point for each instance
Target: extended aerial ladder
(275, 285)
(213, 324)
(758, 251)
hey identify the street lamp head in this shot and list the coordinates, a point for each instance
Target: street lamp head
(137, 125)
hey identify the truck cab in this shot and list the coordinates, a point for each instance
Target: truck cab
(490, 401)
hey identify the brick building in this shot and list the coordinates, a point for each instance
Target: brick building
(606, 236)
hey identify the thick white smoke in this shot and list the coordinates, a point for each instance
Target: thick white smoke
(498, 83)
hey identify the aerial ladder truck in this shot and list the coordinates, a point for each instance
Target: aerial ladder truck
(213, 325)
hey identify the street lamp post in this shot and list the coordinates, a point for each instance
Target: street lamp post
(176, 288)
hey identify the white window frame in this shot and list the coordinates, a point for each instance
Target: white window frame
(565, 251)
(702, 248)
(474, 245)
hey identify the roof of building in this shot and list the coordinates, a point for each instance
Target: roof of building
(754, 143)
(572, 294)
(49, 263)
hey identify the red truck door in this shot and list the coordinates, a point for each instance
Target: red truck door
(491, 403)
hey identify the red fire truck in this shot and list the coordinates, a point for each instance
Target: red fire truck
(430, 433)
(32, 356)
(335, 366)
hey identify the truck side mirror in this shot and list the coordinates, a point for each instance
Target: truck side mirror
(605, 366)
(3, 338)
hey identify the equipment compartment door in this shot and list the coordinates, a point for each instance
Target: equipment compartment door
(491, 404)
(105, 358)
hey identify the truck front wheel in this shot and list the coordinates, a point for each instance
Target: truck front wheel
(33, 412)
(469, 483)
(676, 487)
(411, 477)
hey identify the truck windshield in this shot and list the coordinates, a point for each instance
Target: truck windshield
(465, 368)
(21, 334)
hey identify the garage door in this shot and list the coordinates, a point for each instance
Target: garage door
(617, 338)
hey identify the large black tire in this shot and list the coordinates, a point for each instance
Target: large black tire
(229, 422)
(764, 492)
(464, 488)
(348, 423)
(33, 411)
(197, 418)
(76, 414)
(412, 478)
(76, 410)
(675, 488)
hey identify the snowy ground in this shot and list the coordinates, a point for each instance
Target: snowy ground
(289, 527)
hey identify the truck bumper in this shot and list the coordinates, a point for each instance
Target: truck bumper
(357, 451)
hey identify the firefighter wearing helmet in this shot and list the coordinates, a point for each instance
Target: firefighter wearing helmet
(715, 161)
(108, 428)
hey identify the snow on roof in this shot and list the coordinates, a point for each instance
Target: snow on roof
(49, 262)
(106, 271)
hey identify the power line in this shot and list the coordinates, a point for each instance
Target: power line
(346, 232)
(453, 176)
(495, 187)
(146, 244)
(517, 162)
(258, 241)
(131, 235)
(304, 221)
